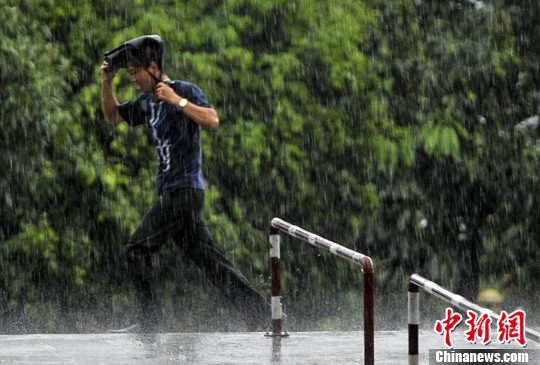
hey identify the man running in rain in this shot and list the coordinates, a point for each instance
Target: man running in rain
(174, 111)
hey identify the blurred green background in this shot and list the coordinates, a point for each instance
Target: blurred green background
(405, 130)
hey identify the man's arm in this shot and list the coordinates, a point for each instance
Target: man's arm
(109, 103)
(204, 116)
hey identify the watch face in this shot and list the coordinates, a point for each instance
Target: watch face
(183, 102)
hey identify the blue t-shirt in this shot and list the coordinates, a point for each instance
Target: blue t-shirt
(176, 137)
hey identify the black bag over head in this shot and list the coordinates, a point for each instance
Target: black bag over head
(141, 50)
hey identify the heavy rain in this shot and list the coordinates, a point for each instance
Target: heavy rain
(406, 131)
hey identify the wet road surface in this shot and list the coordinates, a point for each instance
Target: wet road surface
(391, 347)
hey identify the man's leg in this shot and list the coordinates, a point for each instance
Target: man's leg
(196, 242)
(141, 251)
(232, 283)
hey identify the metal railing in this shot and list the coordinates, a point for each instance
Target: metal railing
(278, 225)
(415, 283)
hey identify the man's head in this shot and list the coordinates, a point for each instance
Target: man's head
(141, 51)
(144, 78)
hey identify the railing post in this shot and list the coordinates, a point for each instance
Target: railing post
(275, 272)
(369, 312)
(414, 321)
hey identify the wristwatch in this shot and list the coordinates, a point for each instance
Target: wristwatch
(182, 103)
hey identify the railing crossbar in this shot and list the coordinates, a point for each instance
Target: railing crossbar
(449, 297)
(323, 243)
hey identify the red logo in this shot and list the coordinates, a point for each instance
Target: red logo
(509, 327)
(512, 327)
(478, 328)
(447, 325)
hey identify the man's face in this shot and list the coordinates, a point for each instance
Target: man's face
(141, 78)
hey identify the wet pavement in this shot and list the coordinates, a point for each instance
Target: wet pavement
(391, 347)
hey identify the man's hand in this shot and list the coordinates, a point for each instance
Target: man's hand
(108, 100)
(107, 75)
(166, 93)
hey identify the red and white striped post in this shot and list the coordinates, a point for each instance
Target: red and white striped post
(367, 267)
(275, 267)
(415, 282)
(413, 321)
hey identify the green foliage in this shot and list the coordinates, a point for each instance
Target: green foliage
(389, 127)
